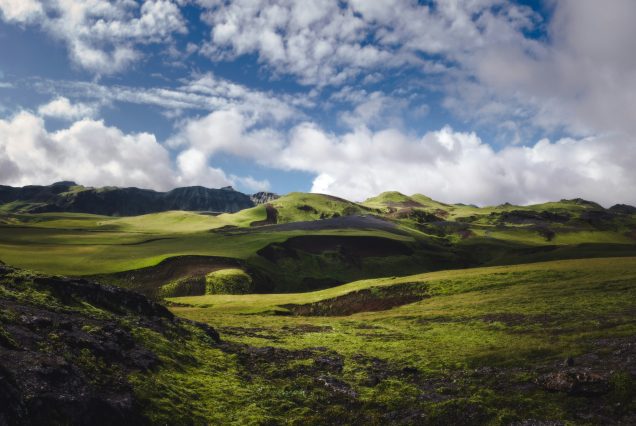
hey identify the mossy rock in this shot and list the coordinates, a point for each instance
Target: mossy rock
(228, 281)
(188, 286)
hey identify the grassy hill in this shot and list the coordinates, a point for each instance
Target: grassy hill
(545, 343)
(302, 242)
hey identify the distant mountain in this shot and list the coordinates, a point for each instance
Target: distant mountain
(113, 201)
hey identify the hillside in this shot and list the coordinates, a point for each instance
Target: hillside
(113, 201)
(547, 343)
(302, 242)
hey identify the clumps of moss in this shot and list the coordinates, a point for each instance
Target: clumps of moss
(228, 281)
(188, 286)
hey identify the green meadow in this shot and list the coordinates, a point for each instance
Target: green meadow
(398, 310)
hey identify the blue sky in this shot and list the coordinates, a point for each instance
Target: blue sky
(479, 101)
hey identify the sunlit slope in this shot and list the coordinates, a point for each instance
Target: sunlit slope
(576, 275)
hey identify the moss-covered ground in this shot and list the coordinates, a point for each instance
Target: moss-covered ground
(476, 349)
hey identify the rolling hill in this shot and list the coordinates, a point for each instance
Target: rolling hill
(544, 343)
(301, 242)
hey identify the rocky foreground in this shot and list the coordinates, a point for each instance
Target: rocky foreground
(68, 347)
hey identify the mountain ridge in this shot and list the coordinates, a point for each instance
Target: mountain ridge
(67, 196)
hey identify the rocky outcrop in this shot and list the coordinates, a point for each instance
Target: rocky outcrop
(68, 347)
(263, 197)
(113, 201)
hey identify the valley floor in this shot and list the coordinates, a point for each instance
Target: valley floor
(549, 343)
(529, 344)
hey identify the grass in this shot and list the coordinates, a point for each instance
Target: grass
(519, 320)
(470, 352)
(80, 244)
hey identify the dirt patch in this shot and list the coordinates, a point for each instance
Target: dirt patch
(367, 300)
(360, 246)
(270, 219)
(148, 280)
(350, 249)
(513, 319)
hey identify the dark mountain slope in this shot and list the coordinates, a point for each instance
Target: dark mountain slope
(113, 201)
(69, 347)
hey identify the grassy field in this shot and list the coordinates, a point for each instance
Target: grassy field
(475, 349)
(289, 249)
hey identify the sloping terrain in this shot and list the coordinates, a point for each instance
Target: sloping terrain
(68, 349)
(112, 201)
(548, 343)
(302, 242)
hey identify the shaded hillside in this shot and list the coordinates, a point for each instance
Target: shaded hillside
(113, 201)
(69, 349)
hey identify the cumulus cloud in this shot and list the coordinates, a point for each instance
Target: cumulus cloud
(62, 108)
(20, 10)
(101, 35)
(459, 167)
(330, 42)
(447, 165)
(94, 154)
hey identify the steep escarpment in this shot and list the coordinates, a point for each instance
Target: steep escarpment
(113, 201)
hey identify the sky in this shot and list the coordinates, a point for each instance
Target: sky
(473, 101)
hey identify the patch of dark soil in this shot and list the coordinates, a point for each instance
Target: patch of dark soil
(576, 381)
(307, 328)
(443, 228)
(418, 216)
(72, 348)
(514, 319)
(307, 208)
(337, 387)
(270, 219)
(362, 246)
(530, 217)
(274, 362)
(227, 229)
(367, 300)
(148, 280)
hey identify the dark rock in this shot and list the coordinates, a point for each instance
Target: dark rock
(337, 387)
(622, 209)
(69, 363)
(263, 197)
(576, 382)
(123, 201)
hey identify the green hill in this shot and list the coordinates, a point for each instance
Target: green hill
(302, 242)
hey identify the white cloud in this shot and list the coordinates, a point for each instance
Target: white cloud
(446, 165)
(459, 167)
(101, 35)
(92, 153)
(62, 108)
(252, 185)
(201, 92)
(20, 10)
